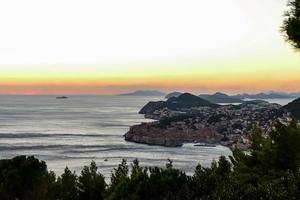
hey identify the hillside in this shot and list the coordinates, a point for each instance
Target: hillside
(188, 100)
(184, 101)
(294, 108)
(173, 94)
(220, 98)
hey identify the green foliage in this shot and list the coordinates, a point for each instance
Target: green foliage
(167, 183)
(119, 182)
(291, 24)
(68, 185)
(270, 170)
(211, 182)
(91, 183)
(23, 178)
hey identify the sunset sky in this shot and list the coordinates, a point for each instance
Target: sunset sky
(109, 47)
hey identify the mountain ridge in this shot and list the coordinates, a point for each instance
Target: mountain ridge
(219, 97)
(144, 93)
(263, 95)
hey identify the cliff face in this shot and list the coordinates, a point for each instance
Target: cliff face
(150, 134)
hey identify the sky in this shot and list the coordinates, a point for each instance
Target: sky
(116, 46)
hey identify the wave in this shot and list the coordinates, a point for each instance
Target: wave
(71, 148)
(43, 135)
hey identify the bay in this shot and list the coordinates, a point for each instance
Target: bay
(72, 132)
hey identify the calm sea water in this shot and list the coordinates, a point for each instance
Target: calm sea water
(72, 132)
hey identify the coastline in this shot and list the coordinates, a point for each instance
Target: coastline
(226, 125)
(149, 133)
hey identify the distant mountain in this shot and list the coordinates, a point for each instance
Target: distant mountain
(294, 108)
(220, 98)
(263, 96)
(188, 100)
(173, 94)
(144, 93)
(291, 94)
(295, 94)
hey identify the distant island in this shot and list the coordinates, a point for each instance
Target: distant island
(62, 97)
(295, 94)
(271, 95)
(191, 119)
(220, 98)
(144, 93)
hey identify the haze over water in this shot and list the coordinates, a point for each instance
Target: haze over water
(72, 132)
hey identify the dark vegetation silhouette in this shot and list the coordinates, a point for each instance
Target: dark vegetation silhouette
(294, 108)
(271, 170)
(291, 24)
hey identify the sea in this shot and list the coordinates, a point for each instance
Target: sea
(72, 132)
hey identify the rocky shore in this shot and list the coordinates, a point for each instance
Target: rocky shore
(150, 133)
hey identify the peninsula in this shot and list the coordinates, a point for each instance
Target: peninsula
(191, 119)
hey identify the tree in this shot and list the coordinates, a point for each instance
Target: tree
(23, 178)
(68, 185)
(291, 24)
(91, 183)
(167, 183)
(271, 169)
(212, 182)
(119, 182)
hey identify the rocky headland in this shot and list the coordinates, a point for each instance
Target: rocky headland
(191, 119)
(155, 134)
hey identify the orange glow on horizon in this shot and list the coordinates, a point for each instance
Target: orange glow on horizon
(233, 83)
(108, 50)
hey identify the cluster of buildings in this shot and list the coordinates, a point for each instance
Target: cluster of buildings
(233, 122)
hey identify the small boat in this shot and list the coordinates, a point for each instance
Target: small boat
(62, 97)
